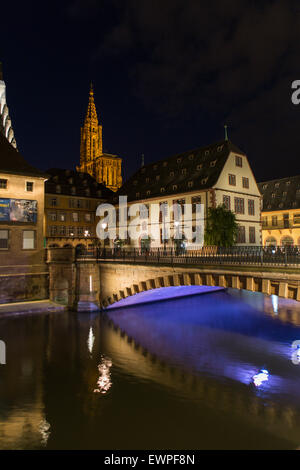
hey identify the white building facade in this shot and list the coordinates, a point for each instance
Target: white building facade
(207, 177)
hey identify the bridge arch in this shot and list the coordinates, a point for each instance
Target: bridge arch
(276, 286)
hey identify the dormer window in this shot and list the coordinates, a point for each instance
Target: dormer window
(199, 167)
(178, 160)
(148, 192)
(171, 174)
(288, 183)
(183, 171)
(162, 190)
(157, 177)
(190, 184)
(174, 187)
(276, 185)
(206, 153)
(191, 157)
(204, 180)
(220, 148)
(58, 188)
(213, 163)
(265, 186)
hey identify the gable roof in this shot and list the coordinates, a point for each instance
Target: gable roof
(12, 162)
(84, 184)
(196, 169)
(280, 194)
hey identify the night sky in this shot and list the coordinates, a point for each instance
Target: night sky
(167, 75)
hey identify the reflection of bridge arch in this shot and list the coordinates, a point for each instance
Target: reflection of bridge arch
(279, 419)
(254, 282)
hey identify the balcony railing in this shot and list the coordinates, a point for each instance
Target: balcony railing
(236, 255)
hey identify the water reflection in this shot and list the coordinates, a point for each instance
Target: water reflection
(184, 369)
(104, 381)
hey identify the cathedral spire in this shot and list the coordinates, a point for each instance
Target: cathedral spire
(105, 168)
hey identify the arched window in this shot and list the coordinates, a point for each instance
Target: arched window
(271, 241)
(287, 241)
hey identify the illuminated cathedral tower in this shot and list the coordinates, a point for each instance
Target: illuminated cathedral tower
(104, 167)
(5, 121)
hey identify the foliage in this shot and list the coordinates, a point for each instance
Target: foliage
(221, 227)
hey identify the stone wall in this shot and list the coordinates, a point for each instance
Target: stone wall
(24, 287)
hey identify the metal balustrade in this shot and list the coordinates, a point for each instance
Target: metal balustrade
(236, 255)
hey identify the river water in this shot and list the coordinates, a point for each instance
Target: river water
(213, 371)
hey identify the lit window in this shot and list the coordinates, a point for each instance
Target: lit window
(274, 220)
(251, 210)
(241, 238)
(226, 201)
(245, 182)
(232, 180)
(239, 205)
(251, 234)
(4, 239)
(75, 217)
(28, 239)
(29, 186)
(87, 217)
(3, 184)
(238, 161)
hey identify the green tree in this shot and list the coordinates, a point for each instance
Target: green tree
(221, 227)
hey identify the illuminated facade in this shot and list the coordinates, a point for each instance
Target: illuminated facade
(103, 167)
(281, 211)
(71, 200)
(211, 176)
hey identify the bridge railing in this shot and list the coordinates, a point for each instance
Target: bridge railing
(249, 255)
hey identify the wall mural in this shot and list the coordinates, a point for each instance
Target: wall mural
(18, 210)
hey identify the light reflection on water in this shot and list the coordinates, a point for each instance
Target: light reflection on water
(176, 374)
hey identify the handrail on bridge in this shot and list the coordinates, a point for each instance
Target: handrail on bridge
(255, 255)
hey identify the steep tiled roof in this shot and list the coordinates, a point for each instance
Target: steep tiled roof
(196, 169)
(12, 162)
(73, 183)
(281, 194)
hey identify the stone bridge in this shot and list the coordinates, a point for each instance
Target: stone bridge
(89, 284)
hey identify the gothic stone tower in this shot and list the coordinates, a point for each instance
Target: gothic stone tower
(5, 121)
(104, 167)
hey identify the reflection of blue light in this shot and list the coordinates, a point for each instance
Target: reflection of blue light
(261, 377)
